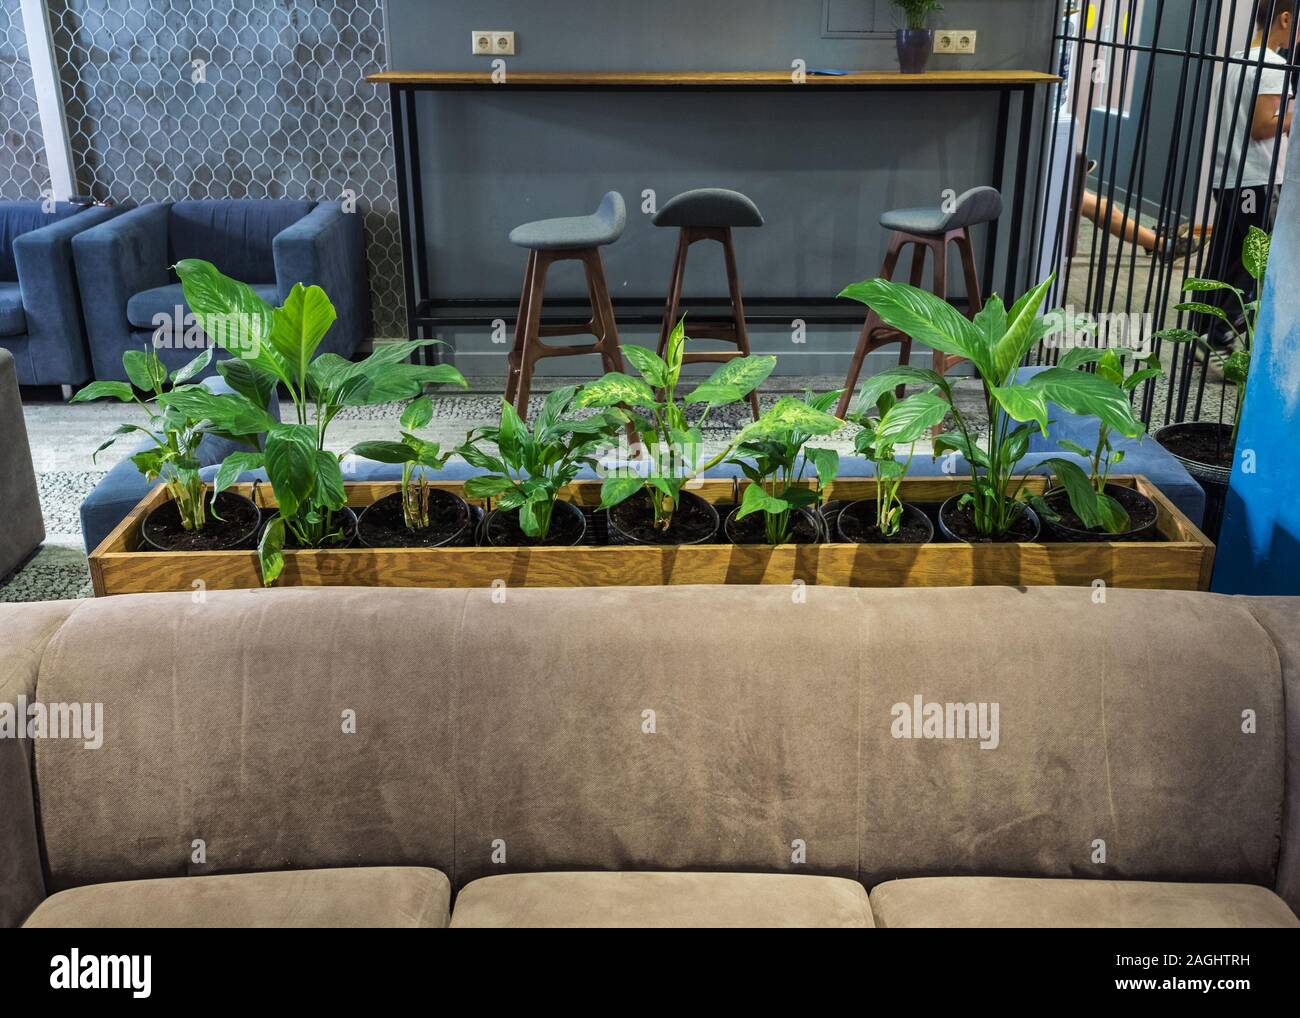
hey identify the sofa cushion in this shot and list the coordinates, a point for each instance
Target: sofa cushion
(19, 217)
(143, 306)
(661, 900)
(13, 319)
(236, 235)
(380, 896)
(971, 902)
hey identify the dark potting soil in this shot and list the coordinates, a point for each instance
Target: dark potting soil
(383, 524)
(1209, 445)
(1069, 528)
(566, 529)
(236, 528)
(751, 530)
(858, 523)
(961, 523)
(692, 523)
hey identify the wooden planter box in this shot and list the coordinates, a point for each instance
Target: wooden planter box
(1181, 561)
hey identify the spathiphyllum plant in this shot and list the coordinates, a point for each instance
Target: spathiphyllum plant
(1087, 490)
(895, 422)
(531, 465)
(995, 342)
(277, 346)
(175, 434)
(671, 442)
(1236, 364)
(916, 13)
(768, 452)
(416, 455)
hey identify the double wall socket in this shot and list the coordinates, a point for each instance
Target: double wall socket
(491, 43)
(954, 40)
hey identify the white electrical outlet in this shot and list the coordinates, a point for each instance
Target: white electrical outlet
(489, 42)
(955, 41)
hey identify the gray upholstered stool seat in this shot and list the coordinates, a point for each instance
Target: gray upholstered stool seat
(604, 227)
(978, 205)
(714, 207)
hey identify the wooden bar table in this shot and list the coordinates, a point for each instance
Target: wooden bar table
(425, 312)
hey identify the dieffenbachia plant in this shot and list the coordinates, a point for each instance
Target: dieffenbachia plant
(896, 422)
(768, 452)
(995, 342)
(416, 455)
(277, 345)
(532, 465)
(1235, 365)
(673, 443)
(174, 434)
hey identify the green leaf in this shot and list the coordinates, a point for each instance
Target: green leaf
(1208, 285)
(926, 318)
(290, 460)
(1077, 357)
(476, 457)
(1138, 377)
(616, 388)
(956, 441)
(1089, 395)
(270, 551)
(911, 419)
(418, 413)
(675, 351)
(385, 452)
(1254, 253)
(891, 378)
(145, 370)
(195, 367)
(1236, 367)
(1198, 308)
(328, 489)
(232, 466)
(788, 416)
(619, 489)
(230, 413)
(1178, 336)
(756, 500)
(826, 463)
(250, 382)
(149, 462)
(733, 381)
(232, 315)
(98, 390)
(1021, 334)
(650, 365)
(488, 487)
(1078, 489)
(299, 326)
(1074, 447)
(1024, 402)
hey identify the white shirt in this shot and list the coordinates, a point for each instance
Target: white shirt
(1258, 151)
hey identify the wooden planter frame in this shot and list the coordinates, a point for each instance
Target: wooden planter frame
(1181, 561)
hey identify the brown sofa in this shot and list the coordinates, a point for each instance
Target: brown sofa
(656, 756)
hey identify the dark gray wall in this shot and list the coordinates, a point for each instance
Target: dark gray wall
(822, 167)
(23, 173)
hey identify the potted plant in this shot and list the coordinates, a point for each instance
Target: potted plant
(652, 508)
(915, 39)
(532, 465)
(887, 518)
(183, 523)
(1207, 448)
(776, 508)
(277, 346)
(997, 507)
(1085, 506)
(420, 515)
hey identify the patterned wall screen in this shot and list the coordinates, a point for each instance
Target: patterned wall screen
(23, 173)
(228, 98)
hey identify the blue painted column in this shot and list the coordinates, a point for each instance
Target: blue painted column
(1259, 547)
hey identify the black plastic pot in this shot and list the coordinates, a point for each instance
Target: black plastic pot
(811, 520)
(1060, 532)
(461, 538)
(247, 536)
(850, 530)
(346, 518)
(951, 506)
(619, 536)
(1212, 478)
(914, 48)
(560, 507)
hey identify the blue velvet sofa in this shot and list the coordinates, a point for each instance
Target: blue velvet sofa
(40, 312)
(127, 282)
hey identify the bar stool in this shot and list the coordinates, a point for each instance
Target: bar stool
(577, 238)
(709, 214)
(932, 230)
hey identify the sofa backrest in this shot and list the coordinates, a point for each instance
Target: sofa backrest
(19, 217)
(234, 234)
(670, 728)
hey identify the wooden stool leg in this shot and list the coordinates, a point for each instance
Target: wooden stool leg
(738, 308)
(896, 244)
(514, 359)
(675, 283)
(529, 353)
(974, 298)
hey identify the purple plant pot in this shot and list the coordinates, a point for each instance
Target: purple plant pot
(914, 48)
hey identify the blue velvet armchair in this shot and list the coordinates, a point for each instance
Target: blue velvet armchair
(130, 296)
(40, 313)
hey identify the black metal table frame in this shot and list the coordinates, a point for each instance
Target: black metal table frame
(424, 312)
